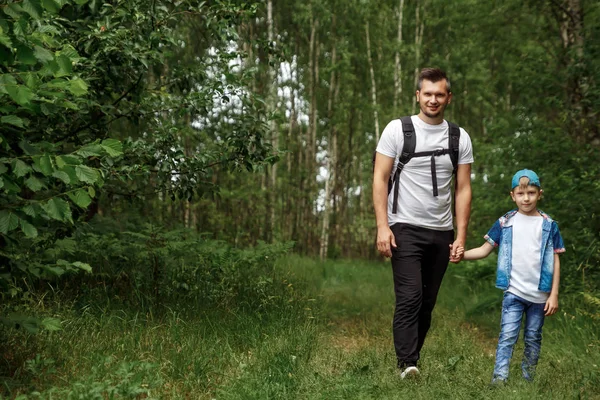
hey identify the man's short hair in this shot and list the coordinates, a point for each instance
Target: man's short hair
(433, 75)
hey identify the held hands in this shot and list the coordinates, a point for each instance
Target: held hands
(385, 241)
(551, 306)
(456, 252)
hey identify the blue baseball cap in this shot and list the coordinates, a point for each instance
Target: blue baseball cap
(534, 180)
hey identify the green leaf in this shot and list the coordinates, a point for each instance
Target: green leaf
(29, 210)
(20, 169)
(58, 271)
(44, 164)
(50, 6)
(5, 40)
(1, 183)
(10, 186)
(70, 52)
(3, 168)
(80, 197)
(31, 80)
(92, 191)
(60, 162)
(113, 147)
(81, 2)
(29, 230)
(51, 324)
(33, 8)
(58, 209)
(48, 29)
(42, 54)
(6, 81)
(34, 183)
(63, 176)
(49, 68)
(68, 104)
(90, 150)
(8, 221)
(86, 174)
(12, 120)
(71, 159)
(70, 171)
(78, 87)
(65, 66)
(83, 266)
(20, 94)
(25, 55)
(13, 10)
(28, 148)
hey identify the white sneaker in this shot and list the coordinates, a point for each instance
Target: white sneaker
(410, 372)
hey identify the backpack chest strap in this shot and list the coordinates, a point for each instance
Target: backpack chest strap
(408, 152)
(433, 154)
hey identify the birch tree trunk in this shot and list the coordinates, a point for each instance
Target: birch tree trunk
(398, 64)
(332, 157)
(311, 192)
(273, 72)
(291, 197)
(373, 84)
(419, 28)
(584, 122)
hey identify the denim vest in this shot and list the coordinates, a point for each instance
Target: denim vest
(501, 235)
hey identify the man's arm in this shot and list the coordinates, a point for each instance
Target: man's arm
(462, 206)
(381, 175)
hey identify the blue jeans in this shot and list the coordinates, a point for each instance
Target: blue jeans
(513, 309)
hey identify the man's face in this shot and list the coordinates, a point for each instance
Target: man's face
(433, 98)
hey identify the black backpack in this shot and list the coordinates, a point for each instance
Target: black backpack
(408, 153)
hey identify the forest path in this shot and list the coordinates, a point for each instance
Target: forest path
(354, 356)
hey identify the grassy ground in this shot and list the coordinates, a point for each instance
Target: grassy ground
(335, 343)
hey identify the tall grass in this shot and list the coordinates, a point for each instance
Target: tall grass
(327, 337)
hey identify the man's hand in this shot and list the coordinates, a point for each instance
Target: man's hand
(458, 255)
(385, 241)
(457, 250)
(551, 306)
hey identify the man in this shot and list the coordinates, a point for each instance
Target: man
(419, 235)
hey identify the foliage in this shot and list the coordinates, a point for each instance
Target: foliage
(149, 267)
(106, 379)
(89, 109)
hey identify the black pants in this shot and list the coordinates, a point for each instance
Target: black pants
(419, 263)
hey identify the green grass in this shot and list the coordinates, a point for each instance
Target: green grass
(333, 342)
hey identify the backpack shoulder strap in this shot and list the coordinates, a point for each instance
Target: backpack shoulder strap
(410, 141)
(453, 144)
(408, 149)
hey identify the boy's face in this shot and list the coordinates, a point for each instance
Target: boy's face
(526, 198)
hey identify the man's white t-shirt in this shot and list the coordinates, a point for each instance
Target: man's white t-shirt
(526, 266)
(416, 203)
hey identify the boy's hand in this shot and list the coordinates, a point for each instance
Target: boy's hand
(457, 256)
(551, 306)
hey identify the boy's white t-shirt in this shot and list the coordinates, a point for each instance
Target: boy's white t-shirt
(416, 203)
(526, 258)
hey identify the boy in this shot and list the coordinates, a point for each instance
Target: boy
(528, 271)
